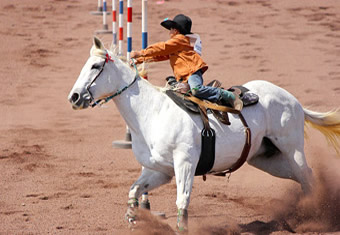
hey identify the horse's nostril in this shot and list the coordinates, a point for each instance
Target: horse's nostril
(75, 97)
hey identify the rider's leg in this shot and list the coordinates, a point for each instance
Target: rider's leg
(213, 94)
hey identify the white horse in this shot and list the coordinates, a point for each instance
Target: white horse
(167, 139)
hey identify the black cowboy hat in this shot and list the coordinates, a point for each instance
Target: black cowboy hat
(180, 22)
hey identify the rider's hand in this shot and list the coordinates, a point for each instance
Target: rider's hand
(132, 62)
(135, 54)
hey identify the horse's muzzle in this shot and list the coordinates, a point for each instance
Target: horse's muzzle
(79, 100)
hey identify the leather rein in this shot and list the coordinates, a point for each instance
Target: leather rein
(102, 101)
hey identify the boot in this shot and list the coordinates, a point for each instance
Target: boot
(232, 99)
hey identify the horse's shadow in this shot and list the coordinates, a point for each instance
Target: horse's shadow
(255, 227)
(264, 228)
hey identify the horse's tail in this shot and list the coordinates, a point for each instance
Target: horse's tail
(327, 123)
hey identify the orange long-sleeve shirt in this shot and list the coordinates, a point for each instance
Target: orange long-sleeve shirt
(183, 59)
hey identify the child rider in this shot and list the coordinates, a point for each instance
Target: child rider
(186, 63)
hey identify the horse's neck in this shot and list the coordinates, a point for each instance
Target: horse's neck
(139, 103)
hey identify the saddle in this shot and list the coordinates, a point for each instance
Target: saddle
(179, 93)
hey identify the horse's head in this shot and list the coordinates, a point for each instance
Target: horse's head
(96, 79)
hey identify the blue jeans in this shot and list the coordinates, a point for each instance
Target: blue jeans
(195, 82)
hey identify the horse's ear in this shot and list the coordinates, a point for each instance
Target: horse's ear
(98, 44)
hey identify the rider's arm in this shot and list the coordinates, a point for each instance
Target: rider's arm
(142, 59)
(162, 48)
(167, 48)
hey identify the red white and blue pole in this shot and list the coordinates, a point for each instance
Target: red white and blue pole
(114, 23)
(144, 24)
(120, 35)
(129, 29)
(104, 16)
(144, 28)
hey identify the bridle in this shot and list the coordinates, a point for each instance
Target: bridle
(94, 102)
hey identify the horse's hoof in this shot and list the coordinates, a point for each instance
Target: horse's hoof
(131, 221)
(131, 213)
(182, 230)
(182, 221)
(145, 205)
(131, 216)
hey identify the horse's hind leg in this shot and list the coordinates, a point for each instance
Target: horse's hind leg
(301, 170)
(288, 161)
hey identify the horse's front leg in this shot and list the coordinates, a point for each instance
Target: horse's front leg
(185, 172)
(147, 181)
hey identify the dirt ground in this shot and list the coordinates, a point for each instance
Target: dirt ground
(58, 171)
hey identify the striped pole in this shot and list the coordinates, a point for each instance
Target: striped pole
(105, 26)
(129, 47)
(114, 23)
(144, 24)
(121, 10)
(145, 197)
(144, 30)
(100, 9)
(129, 29)
(127, 143)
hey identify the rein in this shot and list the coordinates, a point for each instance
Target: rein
(108, 98)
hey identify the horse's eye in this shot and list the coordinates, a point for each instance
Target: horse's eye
(96, 66)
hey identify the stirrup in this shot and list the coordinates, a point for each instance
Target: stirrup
(237, 103)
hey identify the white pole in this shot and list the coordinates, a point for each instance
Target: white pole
(145, 201)
(100, 6)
